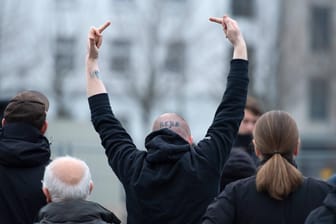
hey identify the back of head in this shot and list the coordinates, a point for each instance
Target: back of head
(174, 122)
(254, 106)
(27, 107)
(276, 137)
(67, 178)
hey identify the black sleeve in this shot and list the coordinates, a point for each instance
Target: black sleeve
(221, 134)
(119, 147)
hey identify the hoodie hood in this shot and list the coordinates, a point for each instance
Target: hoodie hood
(22, 145)
(165, 146)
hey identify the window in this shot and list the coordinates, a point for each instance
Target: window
(175, 57)
(65, 4)
(121, 53)
(64, 54)
(177, 1)
(121, 4)
(319, 99)
(320, 28)
(243, 8)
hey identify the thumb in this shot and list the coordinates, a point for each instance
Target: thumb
(99, 42)
(92, 49)
(92, 37)
(92, 42)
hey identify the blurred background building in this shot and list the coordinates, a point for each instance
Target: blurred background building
(161, 56)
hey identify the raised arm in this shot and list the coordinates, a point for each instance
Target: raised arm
(118, 144)
(217, 144)
(95, 39)
(233, 34)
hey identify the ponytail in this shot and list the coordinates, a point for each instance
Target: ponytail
(278, 177)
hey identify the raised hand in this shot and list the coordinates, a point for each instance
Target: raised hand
(230, 28)
(233, 34)
(95, 40)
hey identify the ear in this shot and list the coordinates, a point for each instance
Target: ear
(44, 127)
(3, 122)
(91, 187)
(257, 152)
(190, 140)
(297, 149)
(46, 194)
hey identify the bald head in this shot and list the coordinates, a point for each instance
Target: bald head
(68, 170)
(67, 178)
(174, 122)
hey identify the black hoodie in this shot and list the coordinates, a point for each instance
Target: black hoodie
(24, 153)
(173, 181)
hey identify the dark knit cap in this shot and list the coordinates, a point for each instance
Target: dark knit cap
(27, 107)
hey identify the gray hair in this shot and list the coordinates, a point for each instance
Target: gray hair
(60, 190)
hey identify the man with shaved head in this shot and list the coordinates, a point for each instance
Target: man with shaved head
(66, 185)
(175, 123)
(175, 179)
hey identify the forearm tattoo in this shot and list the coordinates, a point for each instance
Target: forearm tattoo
(94, 74)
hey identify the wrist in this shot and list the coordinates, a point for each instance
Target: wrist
(240, 50)
(239, 43)
(91, 64)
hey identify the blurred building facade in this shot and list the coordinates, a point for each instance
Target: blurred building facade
(306, 76)
(306, 79)
(157, 56)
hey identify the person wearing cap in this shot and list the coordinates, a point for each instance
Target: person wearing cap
(174, 180)
(24, 153)
(67, 184)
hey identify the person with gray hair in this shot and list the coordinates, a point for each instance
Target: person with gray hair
(67, 184)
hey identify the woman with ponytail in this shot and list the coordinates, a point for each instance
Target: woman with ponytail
(278, 193)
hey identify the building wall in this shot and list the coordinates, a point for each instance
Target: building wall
(207, 54)
(300, 63)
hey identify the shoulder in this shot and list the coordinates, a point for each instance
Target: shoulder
(317, 183)
(321, 215)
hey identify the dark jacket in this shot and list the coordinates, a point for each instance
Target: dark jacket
(24, 153)
(244, 142)
(241, 203)
(76, 211)
(325, 214)
(238, 166)
(173, 181)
